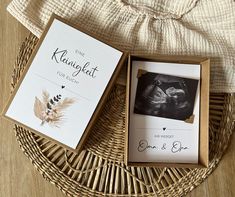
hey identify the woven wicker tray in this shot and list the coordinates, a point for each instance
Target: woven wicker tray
(99, 169)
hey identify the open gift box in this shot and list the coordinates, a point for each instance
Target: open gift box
(167, 111)
(70, 75)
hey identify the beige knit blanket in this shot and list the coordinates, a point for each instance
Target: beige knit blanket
(172, 27)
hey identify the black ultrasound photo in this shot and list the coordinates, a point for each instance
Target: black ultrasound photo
(165, 96)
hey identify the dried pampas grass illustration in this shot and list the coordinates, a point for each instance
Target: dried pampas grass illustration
(51, 109)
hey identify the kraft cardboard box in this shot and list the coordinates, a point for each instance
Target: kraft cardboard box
(65, 84)
(167, 111)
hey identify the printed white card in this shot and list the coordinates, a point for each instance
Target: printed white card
(164, 112)
(64, 84)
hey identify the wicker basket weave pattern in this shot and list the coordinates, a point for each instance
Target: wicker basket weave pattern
(99, 169)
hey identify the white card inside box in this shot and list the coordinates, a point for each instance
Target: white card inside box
(157, 131)
(64, 83)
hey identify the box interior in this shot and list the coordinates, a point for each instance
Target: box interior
(203, 159)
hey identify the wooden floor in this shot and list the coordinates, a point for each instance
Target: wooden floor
(18, 177)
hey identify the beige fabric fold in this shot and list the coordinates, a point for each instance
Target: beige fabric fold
(169, 27)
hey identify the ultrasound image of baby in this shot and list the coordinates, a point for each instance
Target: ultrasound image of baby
(165, 96)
